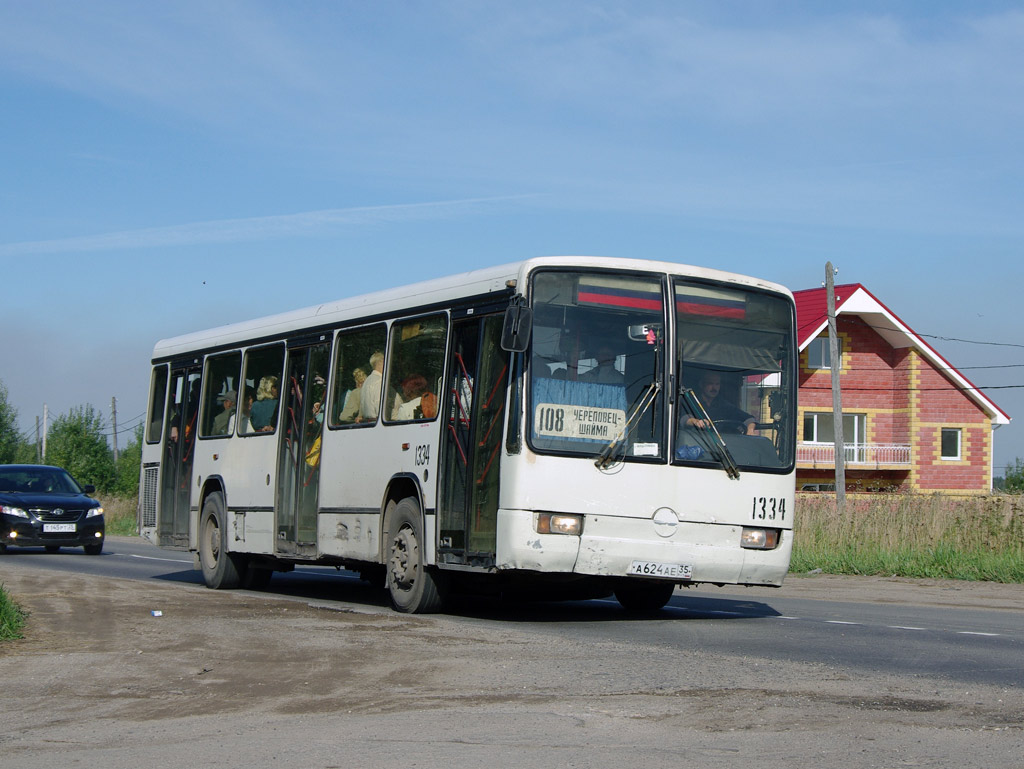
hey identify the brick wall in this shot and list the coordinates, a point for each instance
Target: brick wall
(906, 401)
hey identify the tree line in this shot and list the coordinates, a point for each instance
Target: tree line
(77, 442)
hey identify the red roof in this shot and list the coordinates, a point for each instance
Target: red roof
(854, 299)
(812, 309)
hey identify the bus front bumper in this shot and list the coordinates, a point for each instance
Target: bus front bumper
(617, 546)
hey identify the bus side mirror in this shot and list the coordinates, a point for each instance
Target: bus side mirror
(515, 334)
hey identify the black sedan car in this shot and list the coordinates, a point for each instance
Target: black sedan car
(43, 505)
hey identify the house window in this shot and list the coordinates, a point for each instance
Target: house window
(819, 355)
(819, 428)
(951, 443)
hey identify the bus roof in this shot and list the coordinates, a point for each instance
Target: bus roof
(435, 292)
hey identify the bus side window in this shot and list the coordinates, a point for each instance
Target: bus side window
(157, 400)
(415, 369)
(359, 354)
(220, 400)
(259, 397)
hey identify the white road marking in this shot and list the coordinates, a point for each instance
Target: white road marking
(151, 558)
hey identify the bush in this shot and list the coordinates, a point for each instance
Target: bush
(1013, 479)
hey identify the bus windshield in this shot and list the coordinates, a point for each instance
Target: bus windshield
(603, 352)
(734, 363)
(598, 365)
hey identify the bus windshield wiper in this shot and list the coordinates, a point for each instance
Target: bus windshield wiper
(717, 444)
(606, 457)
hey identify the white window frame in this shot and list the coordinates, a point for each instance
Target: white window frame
(859, 433)
(959, 433)
(819, 355)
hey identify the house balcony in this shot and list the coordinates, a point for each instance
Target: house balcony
(877, 456)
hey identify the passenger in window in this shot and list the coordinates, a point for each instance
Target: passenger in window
(604, 372)
(264, 411)
(244, 412)
(409, 405)
(224, 422)
(350, 410)
(369, 396)
(723, 414)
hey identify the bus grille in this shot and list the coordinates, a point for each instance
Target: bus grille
(149, 490)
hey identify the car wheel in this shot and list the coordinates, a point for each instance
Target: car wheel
(93, 549)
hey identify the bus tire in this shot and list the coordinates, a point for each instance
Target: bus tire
(256, 578)
(644, 597)
(414, 587)
(220, 568)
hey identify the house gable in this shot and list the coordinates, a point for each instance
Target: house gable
(899, 395)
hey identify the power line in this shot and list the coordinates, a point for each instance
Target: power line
(920, 389)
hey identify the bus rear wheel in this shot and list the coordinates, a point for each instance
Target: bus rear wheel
(414, 588)
(220, 568)
(644, 597)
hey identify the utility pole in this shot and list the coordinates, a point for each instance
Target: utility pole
(46, 425)
(113, 419)
(835, 364)
(39, 443)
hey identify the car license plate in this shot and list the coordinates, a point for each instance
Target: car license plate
(670, 570)
(58, 528)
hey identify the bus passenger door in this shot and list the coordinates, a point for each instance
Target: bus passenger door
(304, 394)
(474, 415)
(182, 421)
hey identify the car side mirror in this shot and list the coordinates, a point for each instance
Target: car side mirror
(515, 334)
(89, 488)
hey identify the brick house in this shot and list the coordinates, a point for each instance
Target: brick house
(911, 422)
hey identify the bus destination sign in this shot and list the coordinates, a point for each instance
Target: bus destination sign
(586, 422)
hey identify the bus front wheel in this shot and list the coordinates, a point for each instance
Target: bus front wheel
(644, 597)
(220, 568)
(414, 588)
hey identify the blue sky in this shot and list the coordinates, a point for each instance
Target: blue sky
(169, 167)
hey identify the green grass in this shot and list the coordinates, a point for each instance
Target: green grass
(119, 513)
(12, 618)
(919, 536)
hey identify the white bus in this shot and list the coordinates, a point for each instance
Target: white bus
(568, 426)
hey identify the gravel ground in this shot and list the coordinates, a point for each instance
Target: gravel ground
(231, 679)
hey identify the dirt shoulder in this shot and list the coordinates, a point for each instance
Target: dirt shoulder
(232, 679)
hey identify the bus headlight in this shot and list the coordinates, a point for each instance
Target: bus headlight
(559, 523)
(759, 539)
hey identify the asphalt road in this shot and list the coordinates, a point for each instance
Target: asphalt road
(952, 641)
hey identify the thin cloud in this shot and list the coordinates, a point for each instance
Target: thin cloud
(306, 224)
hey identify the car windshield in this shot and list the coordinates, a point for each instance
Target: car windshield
(37, 480)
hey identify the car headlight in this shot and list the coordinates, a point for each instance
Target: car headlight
(17, 512)
(94, 512)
